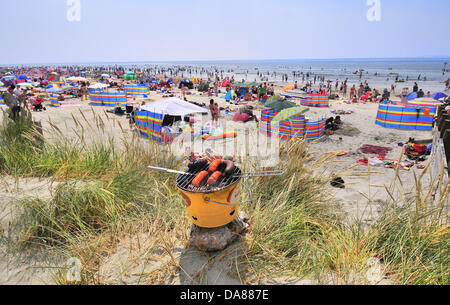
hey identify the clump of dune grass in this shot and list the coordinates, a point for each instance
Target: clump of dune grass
(296, 232)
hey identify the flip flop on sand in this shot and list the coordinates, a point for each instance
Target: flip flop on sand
(339, 153)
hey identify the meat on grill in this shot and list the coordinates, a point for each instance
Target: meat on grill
(214, 178)
(192, 181)
(200, 178)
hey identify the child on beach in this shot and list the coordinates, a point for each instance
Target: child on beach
(216, 112)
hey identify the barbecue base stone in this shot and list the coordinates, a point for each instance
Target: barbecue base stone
(217, 239)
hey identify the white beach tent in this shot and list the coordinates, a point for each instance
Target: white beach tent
(98, 86)
(173, 106)
(29, 85)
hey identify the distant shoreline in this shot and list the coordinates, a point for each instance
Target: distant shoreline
(349, 59)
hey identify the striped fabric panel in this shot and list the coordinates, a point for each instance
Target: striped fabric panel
(314, 129)
(267, 116)
(405, 117)
(424, 104)
(2, 103)
(107, 104)
(314, 100)
(54, 101)
(108, 99)
(149, 124)
(136, 90)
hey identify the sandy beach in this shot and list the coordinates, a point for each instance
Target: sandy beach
(363, 197)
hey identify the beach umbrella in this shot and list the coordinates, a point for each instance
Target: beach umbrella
(77, 79)
(2, 84)
(411, 96)
(98, 86)
(231, 95)
(105, 76)
(67, 87)
(288, 113)
(23, 76)
(54, 90)
(51, 78)
(279, 105)
(438, 96)
(424, 102)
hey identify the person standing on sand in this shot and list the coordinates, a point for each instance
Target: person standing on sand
(211, 109)
(360, 91)
(353, 91)
(216, 112)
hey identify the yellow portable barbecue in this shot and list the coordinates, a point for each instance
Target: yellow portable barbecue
(213, 206)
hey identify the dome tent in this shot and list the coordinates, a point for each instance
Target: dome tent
(187, 83)
(129, 76)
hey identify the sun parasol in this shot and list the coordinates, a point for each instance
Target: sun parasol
(288, 113)
(54, 90)
(437, 96)
(424, 102)
(279, 105)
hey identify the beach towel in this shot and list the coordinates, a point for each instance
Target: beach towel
(341, 112)
(373, 149)
(380, 161)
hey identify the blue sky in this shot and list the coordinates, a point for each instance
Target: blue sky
(37, 31)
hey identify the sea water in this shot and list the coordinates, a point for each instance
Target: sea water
(379, 73)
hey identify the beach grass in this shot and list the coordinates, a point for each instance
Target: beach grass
(105, 193)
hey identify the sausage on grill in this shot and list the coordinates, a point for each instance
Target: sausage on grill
(214, 178)
(200, 178)
(215, 165)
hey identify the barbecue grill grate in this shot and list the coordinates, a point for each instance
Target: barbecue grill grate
(184, 181)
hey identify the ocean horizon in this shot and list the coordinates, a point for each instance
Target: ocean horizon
(291, 60)
(429, 72)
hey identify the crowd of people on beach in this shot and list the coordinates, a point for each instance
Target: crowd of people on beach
(209, 81)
